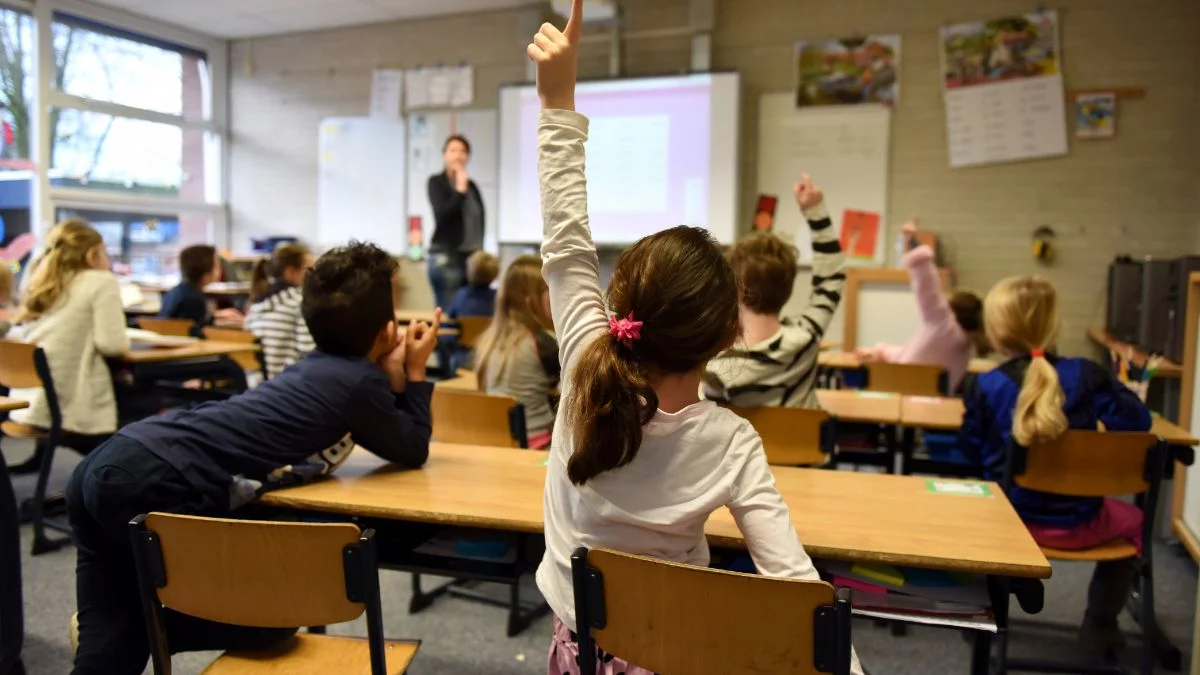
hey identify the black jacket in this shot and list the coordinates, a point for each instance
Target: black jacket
(447, 206)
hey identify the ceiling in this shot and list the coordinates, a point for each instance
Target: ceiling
(253, 18)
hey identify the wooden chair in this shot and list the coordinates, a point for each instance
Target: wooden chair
(172, 327)
(266, 575)
(672, 618)
(908, 379)
(470, 328)
(24, 366)
(475, 418)
(793, 436)
(249, 360)
(1095, 464)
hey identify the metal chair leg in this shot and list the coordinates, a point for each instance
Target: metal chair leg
(42, 543)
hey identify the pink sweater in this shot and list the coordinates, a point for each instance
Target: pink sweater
(940, 340)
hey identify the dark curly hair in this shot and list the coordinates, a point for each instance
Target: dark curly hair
(348, 298)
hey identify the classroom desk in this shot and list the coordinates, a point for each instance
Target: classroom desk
(848, 361)
(200, 349)
(1167, 369)
(852, 405)
(8, 404)
(462, 381)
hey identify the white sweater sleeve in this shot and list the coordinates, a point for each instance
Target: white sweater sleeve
(108, 318)
(766, 522)
(570, 264)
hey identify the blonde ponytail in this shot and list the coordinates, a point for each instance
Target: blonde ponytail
(68, 248)
(1039, 416)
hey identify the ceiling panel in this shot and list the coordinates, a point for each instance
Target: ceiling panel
(249, 18)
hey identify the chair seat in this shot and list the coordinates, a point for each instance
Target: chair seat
(18, 430)
(310, 654)
(1113, 550)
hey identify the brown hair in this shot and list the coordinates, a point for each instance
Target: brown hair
(967, 307)
(6, 283)
(1021, 315)
(765, 267)
(285, 256)
(66, 254)
(520, 315)
(482, 269)
(196, 261)
(683, 290)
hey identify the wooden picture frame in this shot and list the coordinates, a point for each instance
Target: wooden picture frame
(1187, 392)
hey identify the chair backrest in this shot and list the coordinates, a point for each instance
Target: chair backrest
(673, 618)
(248, 360)
(908, 379)
(1083, 463)
(470, 328)
(256, 573)
(475, 418)
(172, 327)
(792, 436)
(24, 366)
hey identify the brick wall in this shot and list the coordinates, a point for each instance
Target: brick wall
(1136, 194)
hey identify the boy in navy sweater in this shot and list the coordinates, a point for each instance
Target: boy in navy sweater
(364, 384)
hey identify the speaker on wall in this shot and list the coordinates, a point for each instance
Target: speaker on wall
(1156, 309)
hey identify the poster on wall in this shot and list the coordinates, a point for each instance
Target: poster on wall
(1096, 115)
(848, 71)
(1003, 89)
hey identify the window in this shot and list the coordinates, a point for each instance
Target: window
(17, 82)
(145, 244)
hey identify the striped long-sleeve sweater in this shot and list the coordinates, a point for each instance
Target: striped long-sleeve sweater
(782, 369)
(276, 321)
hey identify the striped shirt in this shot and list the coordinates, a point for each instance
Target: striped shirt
(276, 321)
(781, 371)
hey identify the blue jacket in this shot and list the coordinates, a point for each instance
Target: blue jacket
(1092, 395)
(185, 301)
(472, 301)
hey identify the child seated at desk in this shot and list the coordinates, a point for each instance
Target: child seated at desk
(214, 458)
(638, 462)
(775, 363)
(199, 266)
(477, 298)
(951, 327)
(274, 315)
(1034, 397)
(72, 310)
(518, 355)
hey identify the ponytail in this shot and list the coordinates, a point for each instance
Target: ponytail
(260, 281)
(610, 400)
(1039, 416)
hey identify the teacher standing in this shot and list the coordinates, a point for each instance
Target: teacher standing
(459, 218)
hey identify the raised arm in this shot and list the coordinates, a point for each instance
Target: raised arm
(570, 264)
(829, 277)
(924, 279)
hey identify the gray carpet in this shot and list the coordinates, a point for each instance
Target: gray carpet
(461, 637)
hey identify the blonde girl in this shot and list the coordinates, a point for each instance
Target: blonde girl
(518, 355)
(1034, 397)
(638, 461)
(72, 310)
(274, 314)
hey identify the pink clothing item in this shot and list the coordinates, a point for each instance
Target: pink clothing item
(940, 340)
(540, 440)
(564, 651)
(1116, 520)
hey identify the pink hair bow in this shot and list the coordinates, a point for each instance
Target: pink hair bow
(626, 330)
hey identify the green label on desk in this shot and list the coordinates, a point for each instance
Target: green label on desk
(544, 462)
(955, 487)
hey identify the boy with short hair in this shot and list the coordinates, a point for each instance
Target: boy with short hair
(775, 363)
(199, 266)
(477, 298)
(364, 384)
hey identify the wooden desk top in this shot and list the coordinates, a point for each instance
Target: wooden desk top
(1172, 433)
(464, 382)
(848, 361)
(1168, 369)
(838, 514)
(9, 404)
(196, 350)
(852, 405)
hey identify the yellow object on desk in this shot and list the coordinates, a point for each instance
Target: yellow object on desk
(858, 517)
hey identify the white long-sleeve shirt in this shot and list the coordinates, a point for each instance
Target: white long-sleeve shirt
(690, 463)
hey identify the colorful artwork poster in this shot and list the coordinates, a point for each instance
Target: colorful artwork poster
(982, 52)
(848, 71)
(1096, 115)
(860, 232)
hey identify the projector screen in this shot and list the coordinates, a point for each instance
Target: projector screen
(661, 152)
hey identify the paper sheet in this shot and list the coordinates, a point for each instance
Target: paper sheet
(387, 93)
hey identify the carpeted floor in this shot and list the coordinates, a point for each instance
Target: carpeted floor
(461, 637)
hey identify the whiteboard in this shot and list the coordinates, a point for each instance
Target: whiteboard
(845, 150)
(886, 313)
(359, 182)
(427, 133)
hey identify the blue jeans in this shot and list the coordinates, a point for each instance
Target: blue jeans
(447, 274)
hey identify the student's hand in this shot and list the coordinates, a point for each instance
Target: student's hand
(555, 53)
(910, 228)
(865, 354)
(422, 338)
(392, 364)
(229, 315)
(808, 194)
(461, 179)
